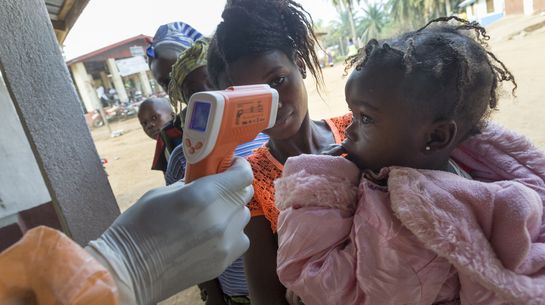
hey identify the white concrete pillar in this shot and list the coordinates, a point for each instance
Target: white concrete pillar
(86, 90)
(528, 7)
(117, 80)
(105, 80)
(144, 80)
(136, 82)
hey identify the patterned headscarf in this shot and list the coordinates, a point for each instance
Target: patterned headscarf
(188, 61)
(177, 36)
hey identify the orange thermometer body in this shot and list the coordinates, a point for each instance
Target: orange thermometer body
(218, 121)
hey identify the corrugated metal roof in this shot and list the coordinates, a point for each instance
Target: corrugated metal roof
(466, 3)
(54, 8)
(63, 15)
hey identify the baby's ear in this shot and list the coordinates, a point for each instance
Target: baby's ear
(441, 135)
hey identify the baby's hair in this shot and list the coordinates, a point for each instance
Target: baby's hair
(160, 102)
(252, 27)
(447, 67)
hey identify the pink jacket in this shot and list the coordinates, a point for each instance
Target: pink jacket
(430, 238)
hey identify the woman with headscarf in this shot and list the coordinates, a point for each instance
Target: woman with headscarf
(169, 42)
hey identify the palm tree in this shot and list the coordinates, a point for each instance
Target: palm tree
(414, 13)
(373, 22)
(407, 13)
(348, 6)
(340, 30)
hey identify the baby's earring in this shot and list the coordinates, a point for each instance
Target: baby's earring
(428, 148)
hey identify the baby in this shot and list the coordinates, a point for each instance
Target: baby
(154, 114)
(436, 205)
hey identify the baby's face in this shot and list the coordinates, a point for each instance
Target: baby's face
(152, 119)
(386, 130)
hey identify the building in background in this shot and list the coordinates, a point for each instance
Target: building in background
(488, 11)
(120, 66)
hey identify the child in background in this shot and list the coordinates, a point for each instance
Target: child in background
(449, 208)
(154, 114)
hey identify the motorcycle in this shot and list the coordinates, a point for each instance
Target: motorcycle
(119, 111)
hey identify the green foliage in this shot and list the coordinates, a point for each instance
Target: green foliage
(373, 22)
(380, 18)
(412, 14)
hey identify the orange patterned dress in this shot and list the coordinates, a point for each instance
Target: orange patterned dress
(267, 169)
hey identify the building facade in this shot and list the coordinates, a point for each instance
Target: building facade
(488, 11)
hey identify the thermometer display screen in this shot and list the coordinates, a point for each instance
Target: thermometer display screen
(199, 117)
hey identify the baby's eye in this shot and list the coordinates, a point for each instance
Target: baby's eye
(275, 83)
(366, 119)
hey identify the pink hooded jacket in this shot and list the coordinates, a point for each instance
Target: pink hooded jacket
(431, 237)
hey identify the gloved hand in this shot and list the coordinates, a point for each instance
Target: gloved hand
(180, 235)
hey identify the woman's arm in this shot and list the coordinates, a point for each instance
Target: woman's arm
(260, 264)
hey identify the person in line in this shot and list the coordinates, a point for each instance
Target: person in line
(434, 204)
(271, 42)
(189, 75)
(169, 42)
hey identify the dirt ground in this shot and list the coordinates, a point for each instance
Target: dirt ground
(129, 156)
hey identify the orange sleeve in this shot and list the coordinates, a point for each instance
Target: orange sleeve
(55, 270)
(265, 172)
(341, 123)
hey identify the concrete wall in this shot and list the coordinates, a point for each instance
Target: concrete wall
(45, 100)
(21, 184)
(480, 11)
(514, 7)
(528, 7)
(499, 6)
(539, 5)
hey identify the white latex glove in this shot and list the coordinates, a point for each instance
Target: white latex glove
(177, 236)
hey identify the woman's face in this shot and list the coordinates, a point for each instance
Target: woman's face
(277, 70)
(160, 69)
(196, 81)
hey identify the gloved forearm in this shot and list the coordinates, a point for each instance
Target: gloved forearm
(177, 236)
(114, 263)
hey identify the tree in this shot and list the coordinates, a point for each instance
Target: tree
(348, 6)
(373, 22)
(340, 30)
(407, 13)
(410, 14)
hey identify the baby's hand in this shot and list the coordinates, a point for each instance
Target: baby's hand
(334, 150)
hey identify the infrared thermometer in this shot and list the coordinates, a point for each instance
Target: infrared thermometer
(218, 121)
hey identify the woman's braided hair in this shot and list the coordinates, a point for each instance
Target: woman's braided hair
(252, 27)
(448, 69)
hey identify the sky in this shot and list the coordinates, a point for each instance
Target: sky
(104, 22)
